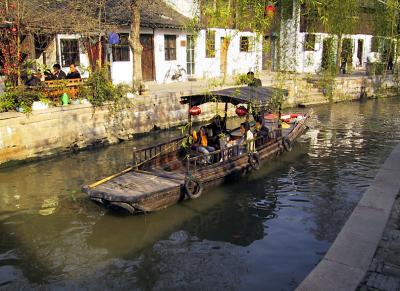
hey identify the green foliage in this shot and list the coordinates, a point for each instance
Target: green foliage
(7, 102)
(241, 79)
(215, 82)
(229, 14)
(99, 89)
(337, 16)
(19, 97)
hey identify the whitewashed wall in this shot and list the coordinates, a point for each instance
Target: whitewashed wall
(238, 62)
(295, 58)
(161, 65)
(310, 61)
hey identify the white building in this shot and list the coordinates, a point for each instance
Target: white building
(167, 46)
(301, 51)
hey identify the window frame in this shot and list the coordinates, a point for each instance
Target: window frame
(170, 51)
(248, 45)
(210, 43)
(67, 57)
(121, 52)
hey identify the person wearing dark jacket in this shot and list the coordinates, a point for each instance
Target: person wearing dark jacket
(58, 74)
(261, 132)
(73, 72)
(252, 80)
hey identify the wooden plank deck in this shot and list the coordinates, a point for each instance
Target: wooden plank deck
(136, 185)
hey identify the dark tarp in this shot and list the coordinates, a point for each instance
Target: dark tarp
(256, 96)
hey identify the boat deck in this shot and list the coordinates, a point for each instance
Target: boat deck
(136, 185)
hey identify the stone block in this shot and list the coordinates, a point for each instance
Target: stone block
(380, 198)
(359, 238)
(392, 266)
(332, 276)
(388, 181)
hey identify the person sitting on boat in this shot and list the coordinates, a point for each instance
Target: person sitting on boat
(246, 142)
(261, 131)
(200, 141)
(217, 126)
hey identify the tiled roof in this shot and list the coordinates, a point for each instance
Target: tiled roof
(154, 14)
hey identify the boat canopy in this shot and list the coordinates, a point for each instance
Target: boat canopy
(256, 96)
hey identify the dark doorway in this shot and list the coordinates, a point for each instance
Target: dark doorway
(268, 53)
(328, 57)
(360, 49)
(148, 70)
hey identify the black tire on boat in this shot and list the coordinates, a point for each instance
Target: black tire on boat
(287, 145)
(193, 187)
(123, 206)
(254, 161)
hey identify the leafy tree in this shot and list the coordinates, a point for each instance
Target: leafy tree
(338, 17)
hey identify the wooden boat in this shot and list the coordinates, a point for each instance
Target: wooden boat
(165, 174)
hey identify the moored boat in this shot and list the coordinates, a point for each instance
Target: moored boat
(165, 174)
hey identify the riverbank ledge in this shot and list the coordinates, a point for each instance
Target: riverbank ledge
(61, 129)
(349, 257)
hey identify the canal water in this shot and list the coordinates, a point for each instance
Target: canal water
(265, 231)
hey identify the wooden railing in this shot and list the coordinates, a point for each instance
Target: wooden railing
(153, 154)
(201, 161)
(55, 88)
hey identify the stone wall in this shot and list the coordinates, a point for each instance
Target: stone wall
(311, 91)
(60, 129)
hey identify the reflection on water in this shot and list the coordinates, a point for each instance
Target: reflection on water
(264, 231)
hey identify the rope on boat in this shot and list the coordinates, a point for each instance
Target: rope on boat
(102, 181)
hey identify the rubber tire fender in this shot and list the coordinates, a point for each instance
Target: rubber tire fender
(287, 145)
(254, 161)
(193, 191)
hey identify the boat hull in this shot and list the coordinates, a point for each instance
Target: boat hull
(175, 193)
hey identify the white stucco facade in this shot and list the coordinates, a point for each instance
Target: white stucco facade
(237, 61)
(294, 56)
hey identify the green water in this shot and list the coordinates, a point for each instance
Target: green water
(265, 231)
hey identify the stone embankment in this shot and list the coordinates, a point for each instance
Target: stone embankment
(60, 129)
(349, 257)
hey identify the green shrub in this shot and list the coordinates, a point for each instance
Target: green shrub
(241, 79)
(19, 97)
(7, 102)
(99, 88)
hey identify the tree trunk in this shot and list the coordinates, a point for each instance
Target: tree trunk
(134, 42)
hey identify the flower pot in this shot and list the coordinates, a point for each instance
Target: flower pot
(39, 105)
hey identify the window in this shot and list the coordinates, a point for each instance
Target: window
(246, 43)
(121, 51)
(210, 44)
(375, 44)
(170, 47)
(69, 52)
(309, 42)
